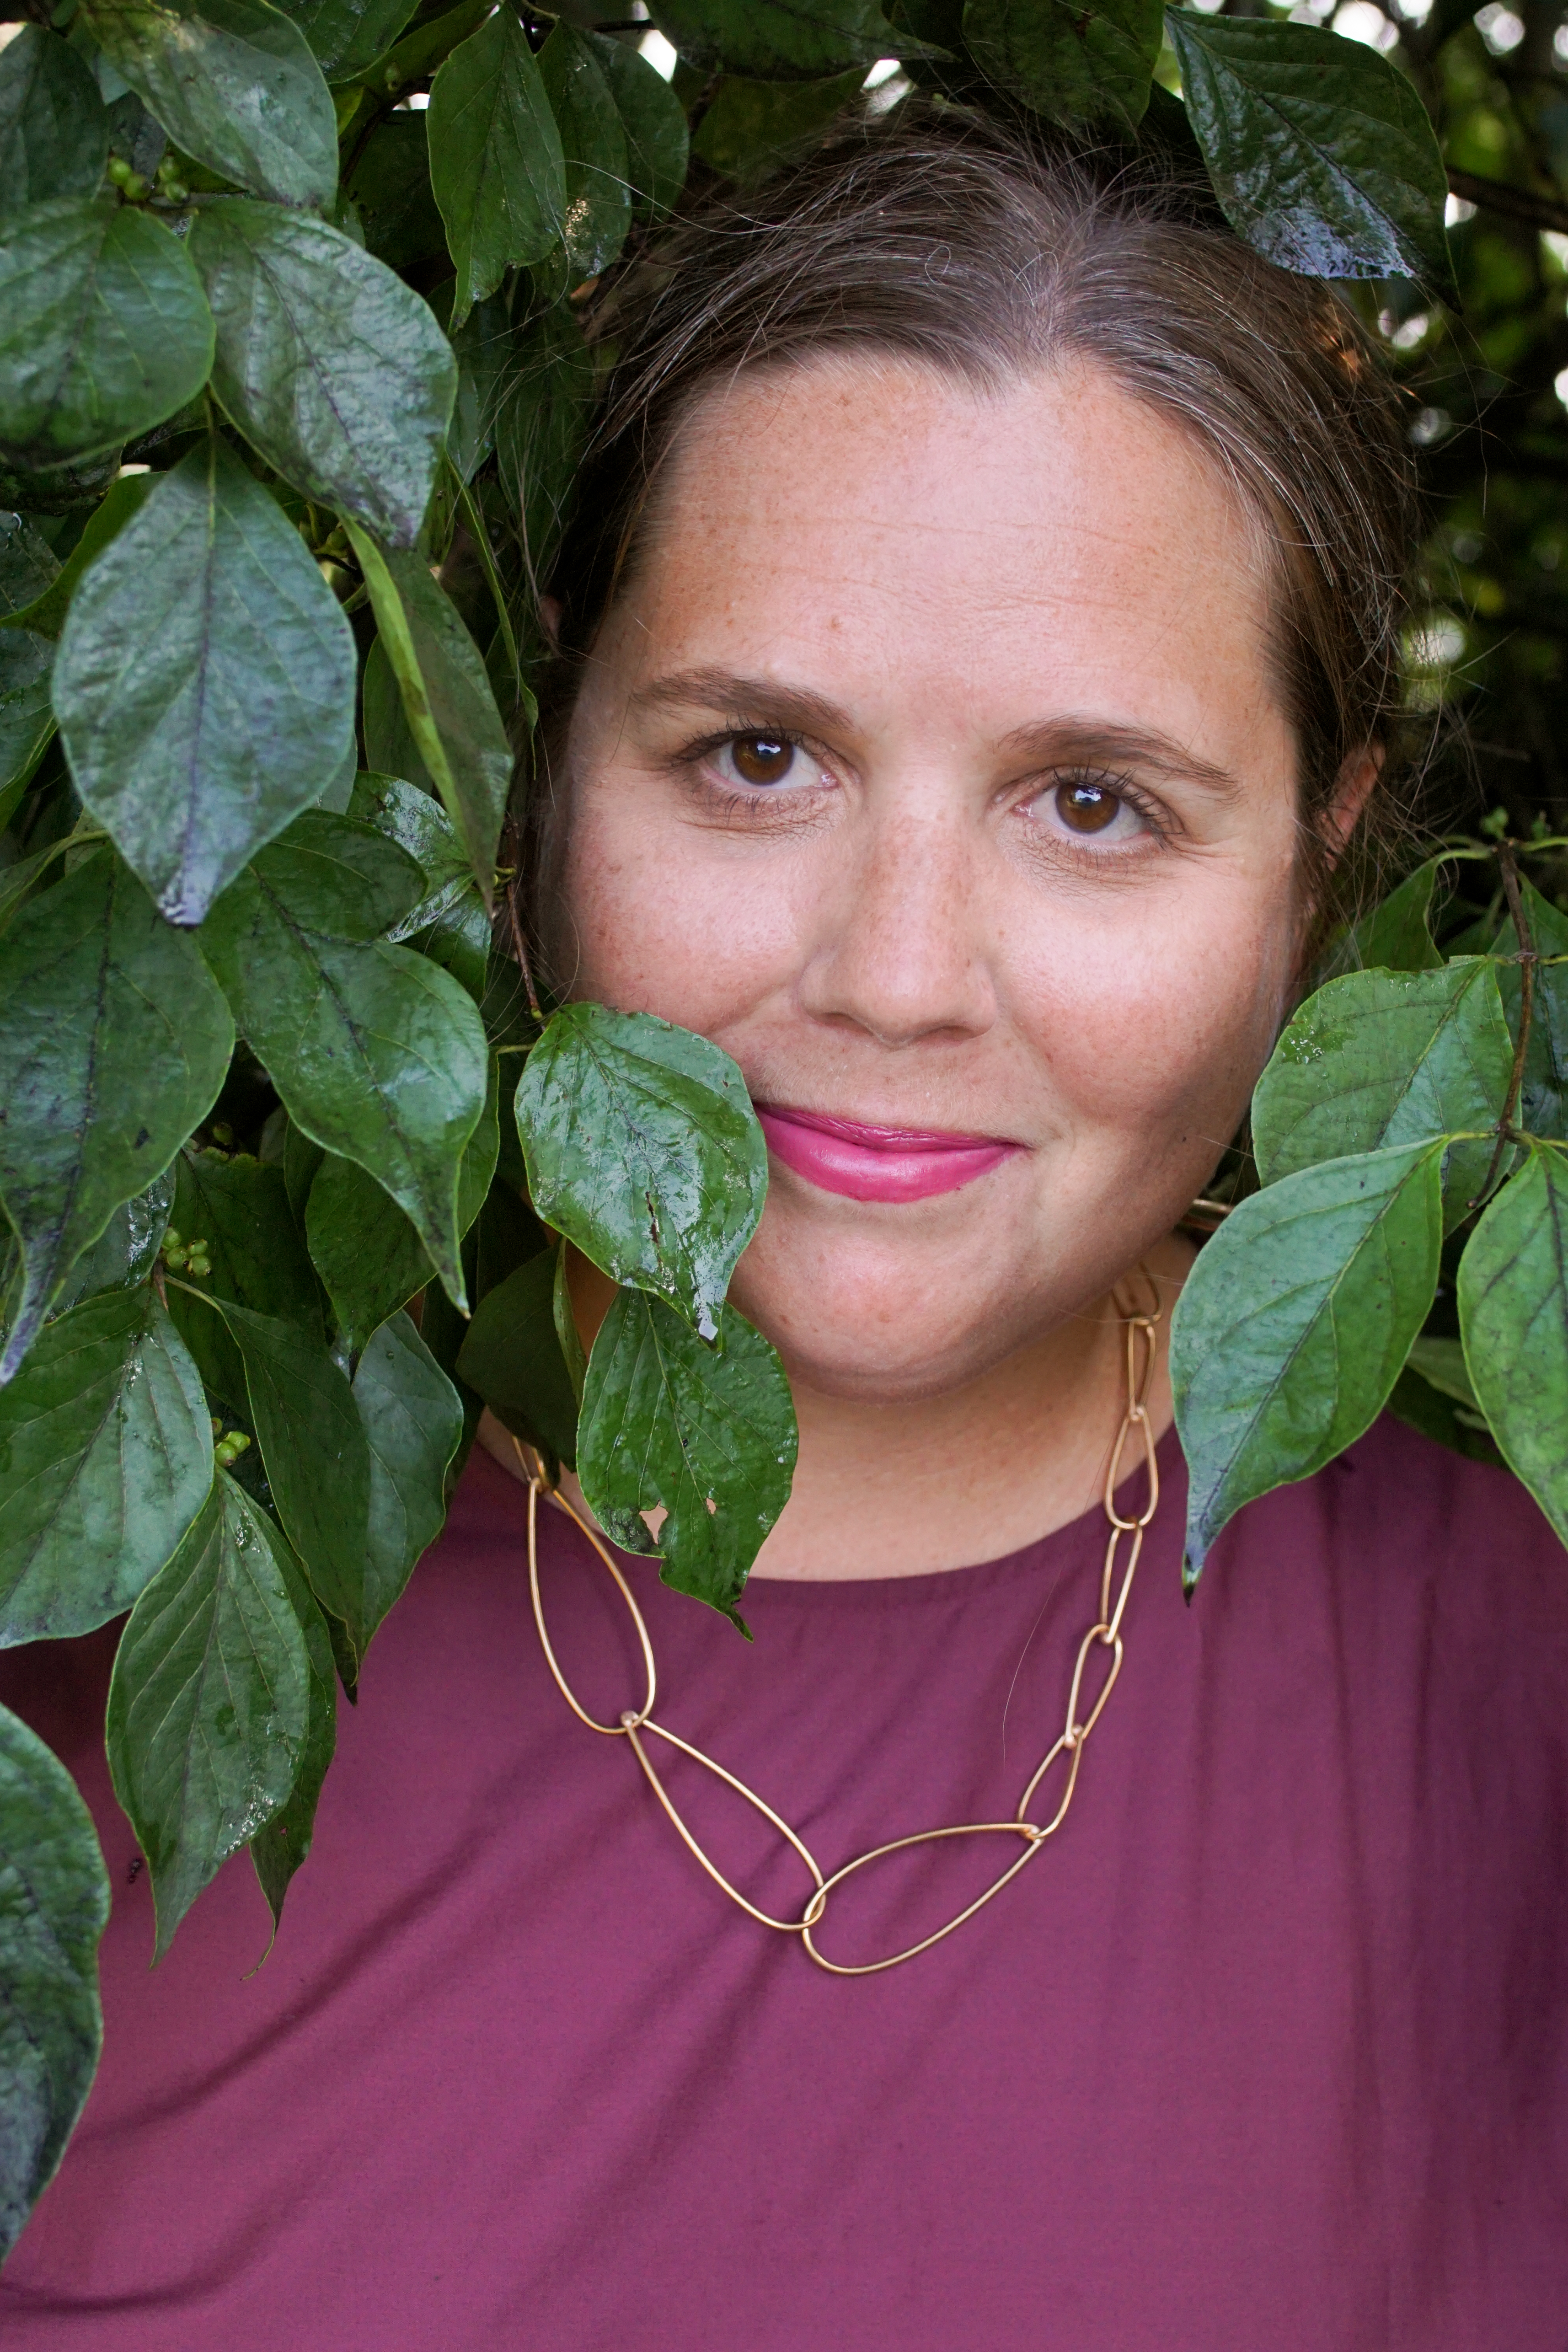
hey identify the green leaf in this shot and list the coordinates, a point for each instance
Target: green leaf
(54, 1907)
(1423, 1404)
(27, 567)
(597, 198)
(1543, 1107)
(313, 1446)
(282, 1844)
(364, 1248)
(1295, 1324)
(449, 922)
(114, 1046)
(104, 329)
(106, 1456)
(642, 1148)
(1513, 1312)
(376, 1053)
(752, 126)
(54, 128)
(708, 1432)
(126, 1251)
(238, 1209)
(512, 1357)
(782, 40)
(204, 682)
(46, 613)
(1382, 1058)
(210, 1701)
(495, 161)
(390, 190)
(566, 1330)
(413, 1419)
(653, 122)
(433, 38)
(330, 366)
(347, 35)
(446, 698)
(483, 344)
(541, 428)
(1320, 149)
(233, 84)
(1396, 936)
(1070, 64)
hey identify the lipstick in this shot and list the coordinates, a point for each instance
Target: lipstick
(877, 1163)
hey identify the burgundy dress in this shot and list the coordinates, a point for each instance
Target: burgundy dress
(1266, 2050)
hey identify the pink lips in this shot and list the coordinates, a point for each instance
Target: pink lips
(877, 1163)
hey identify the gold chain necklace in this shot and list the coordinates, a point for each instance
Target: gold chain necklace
(1105, 1631)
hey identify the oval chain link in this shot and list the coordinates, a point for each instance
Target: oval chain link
(1105, 1633)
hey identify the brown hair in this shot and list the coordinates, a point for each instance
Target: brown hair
(982, 250)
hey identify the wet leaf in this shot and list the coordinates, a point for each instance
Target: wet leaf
(1513, 1312)
(1295, 1324)
(1396, 936)
(708, 1433)
(113, 1048)
(413, 1420)
(104, 329)
(54, 1907)
(210, 1701)
(1380, 1057)
(106, 1456)
(204, 682)
(512, 1357)
(653, 122)
(283, 1844)
(46, 613)
(1544, 1104)
(782, 40)
(330, 366)
(753, 126)
(495, 161)
(642, 1148)
(54, 127)
(1070, 64)
(541, 427)
(347, 35)
(598, 210)
(238, 1210)
(233, 84)
(1320, 149)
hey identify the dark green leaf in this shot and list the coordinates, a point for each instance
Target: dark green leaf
(278, 1849)
(46, 615)
(751, 126)
(301, 1160)
(377, 1054)
(413, 1419)
(708, 1432)
(364, 1248)
(512, 1357)
(1320, 149)
(1382, 1058)
(347, 35)
(54, 130)
(1070, 64)
(390, 187)
(446, 698)
(106, 1456)
(566, 1330)
(496, 162)
(104, 329)
(597, 198)
(238, 1209)
(1513, 1312)
(541, 426)
(1544, 1099)
(1422, 1403)
(417, 55)
(330, 366)
(26, 714)
(1296, 1322)
(782, 40)
(653, 121)
(642, 1148)
(126, 1251)
(483, 344)
(54, 1907)
(450, 922)
(134, 135)
(313, 1446)
(234, 85)
(210, 1701)
(1396, 936)
(204, 682)
(114, 1044)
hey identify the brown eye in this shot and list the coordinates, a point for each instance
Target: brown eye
(1087, 808)
(761, 758)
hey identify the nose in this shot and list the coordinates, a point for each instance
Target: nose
(902, 954)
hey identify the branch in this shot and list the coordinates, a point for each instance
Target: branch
(1517, 203)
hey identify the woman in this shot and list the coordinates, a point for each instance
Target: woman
(979, 644)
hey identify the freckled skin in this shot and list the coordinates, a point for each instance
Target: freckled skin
(906, 931)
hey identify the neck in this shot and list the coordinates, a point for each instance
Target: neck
(947, 1481)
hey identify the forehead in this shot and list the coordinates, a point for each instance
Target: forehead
(875, 514)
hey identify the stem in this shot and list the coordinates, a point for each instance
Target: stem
(1509, 870)
(481, 537)
(1514, 204)
(520, 945)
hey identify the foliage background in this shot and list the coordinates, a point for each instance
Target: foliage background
(293, 384)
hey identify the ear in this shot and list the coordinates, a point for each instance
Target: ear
(1356, 781)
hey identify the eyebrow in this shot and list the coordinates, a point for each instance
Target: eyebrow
(1070, 739)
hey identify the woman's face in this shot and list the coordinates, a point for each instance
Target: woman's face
(932, 766)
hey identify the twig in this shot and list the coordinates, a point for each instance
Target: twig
(1506, 1130)
(520, 945)
(1517, 203)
